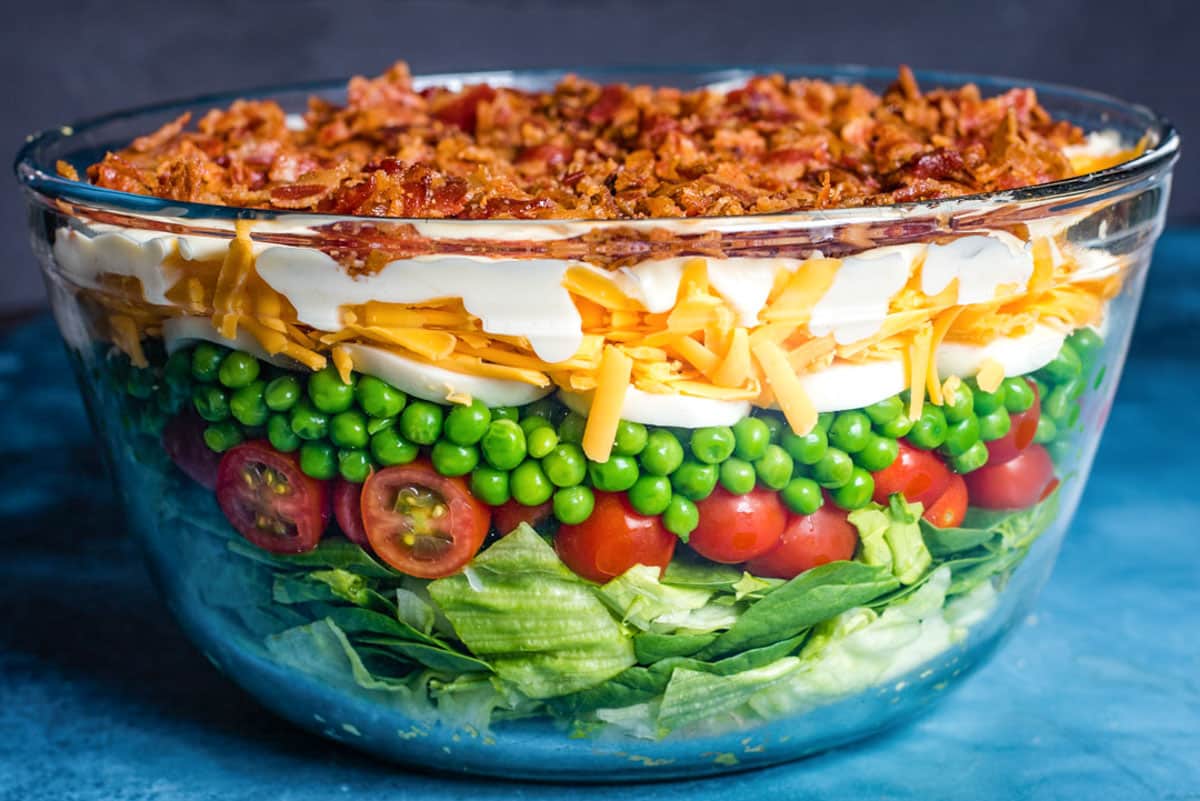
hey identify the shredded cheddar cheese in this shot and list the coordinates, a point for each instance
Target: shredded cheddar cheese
(612, 382)
(797, 407)
(990, 374)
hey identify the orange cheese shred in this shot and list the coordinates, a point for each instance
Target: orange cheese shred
(735, 367)
(612, 382)
(990, 374)
(229, 297)
(919, 357)
(342, 363)
(941, 324)
(797, 407)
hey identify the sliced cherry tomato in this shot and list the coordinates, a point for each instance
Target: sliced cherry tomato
(1020, 435)
(421, 522)
(613, 539)
(183, 440)
(919, 475)
(509, 515)
(949, 510)
(1016, 484)
(347, 511)
(269, 500)
(737, 528)
(808, 541)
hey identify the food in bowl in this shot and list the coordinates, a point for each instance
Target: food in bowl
(608, 422)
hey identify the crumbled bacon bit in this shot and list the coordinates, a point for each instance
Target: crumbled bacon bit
(582, 150)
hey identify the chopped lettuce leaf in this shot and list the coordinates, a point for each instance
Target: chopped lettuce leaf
(641, 599)
(891, 538)
(651, 647)
(519, 608)
(688, 570)
(333, 552)
(414, 610)
(694, 696)
(753, 587)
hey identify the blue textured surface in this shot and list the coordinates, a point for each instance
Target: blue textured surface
(1097, 696)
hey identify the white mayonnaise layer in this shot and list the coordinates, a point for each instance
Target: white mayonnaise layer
(677, 411)
(856, 305)
(982, 264)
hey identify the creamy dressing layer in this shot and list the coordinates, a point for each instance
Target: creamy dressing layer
(856, 305)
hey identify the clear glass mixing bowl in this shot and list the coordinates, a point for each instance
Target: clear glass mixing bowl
(517, 667)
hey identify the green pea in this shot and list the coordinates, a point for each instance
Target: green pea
(282, 393)
(805, 448)
(855, 493)
(280, 434)
(1057, 405)
(752, 437)
(211, 403)
(206, 361)
(531, 424)
(377, 424)
(834, 470)
(1018, 395)
(960, 436)
(450, 459)
(566, 465)
(573, 505)
(238, 370)
(879, 453)
(825, 420)
(220, 437)
(529, 485)
(547, 408)
(885, 411)
(1043, 389)
(421, 422)
(616, 475)
(541, 440)
(681, 517)
(650, 495)
(930, 430)
(490, 485)
(774, 469)
(631, 438)
(503, 444)
(995, 425)
(349, 429)
(354, 464)
(774, 424)
(140, 384)
(328, 393)
(802, 495)
(465, 425)
(662, 455)
(972, 458)
(1046, 430)
(247, 405)
(737, 476)
(1087, 344)
(506, 413)
(177, 372)
(897, 427)
(318, 460)
(1065, 366)
(1103, 371)
(389, 448)
(985, 402)
(713, 445)
(850, 431)
(378, 398)
(571, 428)
(1062, 451)
(694, 481)
(308, 423)
(959, 404)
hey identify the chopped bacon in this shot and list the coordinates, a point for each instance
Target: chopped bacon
(583, 149)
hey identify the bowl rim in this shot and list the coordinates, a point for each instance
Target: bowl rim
(41, 178)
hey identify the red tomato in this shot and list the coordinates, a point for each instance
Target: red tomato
(613, 539)
(919, 475)
(269, 500)
(1020, 436)
(808, 541)
(347, 510)
(1016, 484)
(949, 510)
(421, 522)
(512, 514)
(736, 528)
(183, 440)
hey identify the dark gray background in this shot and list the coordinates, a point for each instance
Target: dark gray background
(61, 61)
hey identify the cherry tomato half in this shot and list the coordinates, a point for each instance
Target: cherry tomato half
(269, 500)
(949, 510)
(347, 511)
(808, 541)
(511, 514)
(421, 522)
(1020, 435)
(919, 475)
(737, 528)
(1016, 484)
(613, 539)
(183, 440)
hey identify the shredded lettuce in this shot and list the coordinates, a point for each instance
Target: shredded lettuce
(891, 538)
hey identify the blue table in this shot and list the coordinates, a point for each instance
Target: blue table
(1096, 697)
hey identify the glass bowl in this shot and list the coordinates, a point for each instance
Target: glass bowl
(514, 665)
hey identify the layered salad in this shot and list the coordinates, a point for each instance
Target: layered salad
(531, 403)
